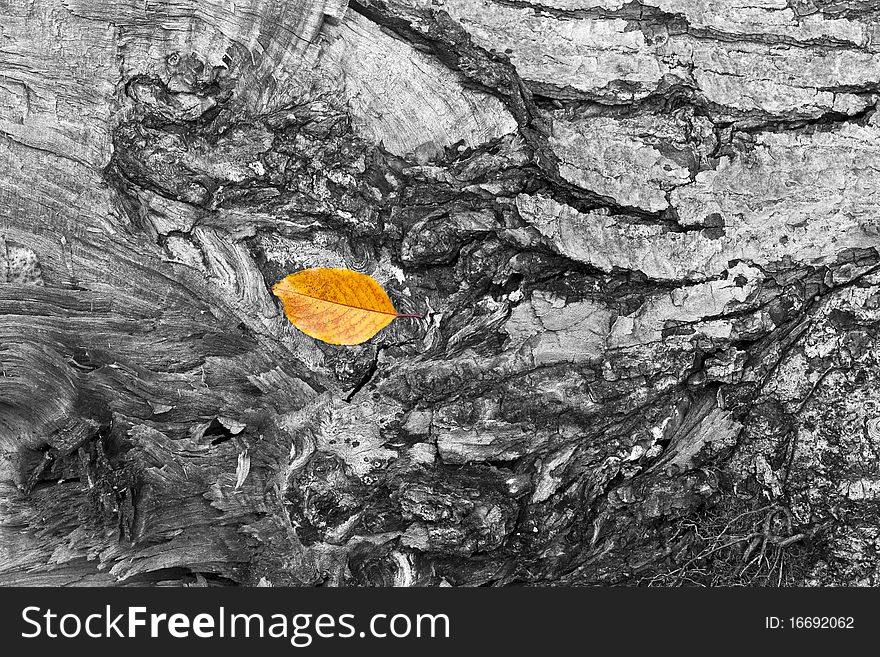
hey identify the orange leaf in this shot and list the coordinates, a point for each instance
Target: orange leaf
(338, 306)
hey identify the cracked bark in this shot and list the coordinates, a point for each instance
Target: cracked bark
(643, 236)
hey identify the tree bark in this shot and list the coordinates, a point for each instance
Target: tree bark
(643, 236)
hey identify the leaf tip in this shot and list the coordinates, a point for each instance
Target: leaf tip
(276, 289)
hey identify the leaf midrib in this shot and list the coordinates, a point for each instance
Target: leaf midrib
(346, 305)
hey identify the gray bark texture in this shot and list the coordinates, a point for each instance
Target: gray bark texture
(643, 235)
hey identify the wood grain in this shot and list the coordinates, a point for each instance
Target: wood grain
(643, 234)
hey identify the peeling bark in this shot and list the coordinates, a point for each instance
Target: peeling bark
(643, 236)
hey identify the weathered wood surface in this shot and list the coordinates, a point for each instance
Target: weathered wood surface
(644, 235)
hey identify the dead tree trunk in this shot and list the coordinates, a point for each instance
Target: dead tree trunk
(644, 235)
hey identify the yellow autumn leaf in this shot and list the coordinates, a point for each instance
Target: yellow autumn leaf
(338, 306)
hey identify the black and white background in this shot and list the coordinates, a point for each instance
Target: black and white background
(643, 235)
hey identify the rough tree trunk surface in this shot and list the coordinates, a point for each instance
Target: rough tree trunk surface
(644, 236)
